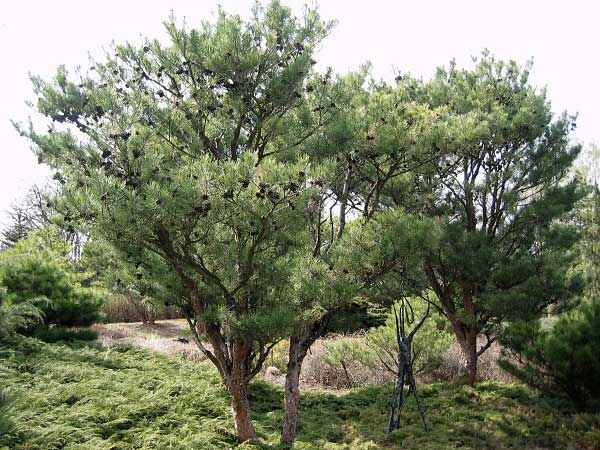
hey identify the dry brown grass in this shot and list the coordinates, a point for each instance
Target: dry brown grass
(164, 335)
(120, 309)
(315, 372)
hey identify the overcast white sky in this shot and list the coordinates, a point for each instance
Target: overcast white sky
(413, 36)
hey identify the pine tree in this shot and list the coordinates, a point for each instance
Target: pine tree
(16, 316)
(179, 152)
(561, 359)
(17, 230)
(378, 138)
(37, 271)
(589, 219)
(500, 191)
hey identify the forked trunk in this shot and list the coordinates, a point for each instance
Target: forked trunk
(233, 359)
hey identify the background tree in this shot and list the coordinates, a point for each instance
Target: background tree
(499, 189)
(587, 216)
(588, 162)
(178, 160)
(591, 241)
(29, 214)
(36, 209)
(17, 229)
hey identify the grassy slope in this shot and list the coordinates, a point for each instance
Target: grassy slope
(78, 397)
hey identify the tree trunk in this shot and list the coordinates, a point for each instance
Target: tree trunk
(240, 408)
(472, 357)
(299, 345)
(199, 328)
(348, 379)
(469, 346)
(151, 315)
(469, 355)
(291, 401)
(231, 357)
(238, 388)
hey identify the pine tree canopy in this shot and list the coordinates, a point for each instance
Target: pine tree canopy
(502, 191)
(171, 150)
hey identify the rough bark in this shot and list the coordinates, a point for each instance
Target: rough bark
(240, 407)
(232, 358)
(469, 349)
(291, 403)
(299, 345)
(471, 331)
(466, 331)
(469, 354)
(199, 327)
(238, 388)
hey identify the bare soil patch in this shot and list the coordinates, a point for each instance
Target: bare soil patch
(165, 336)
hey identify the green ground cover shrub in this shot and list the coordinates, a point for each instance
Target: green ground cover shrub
(55, 334)
(85, 397)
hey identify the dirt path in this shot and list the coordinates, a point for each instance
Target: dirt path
(171, 337)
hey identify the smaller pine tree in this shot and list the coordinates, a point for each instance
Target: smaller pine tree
(15, 317)
(562, 359)
(36, 271)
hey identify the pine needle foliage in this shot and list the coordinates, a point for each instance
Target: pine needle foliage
(36, 271)
(172, 151)
(502, 191)
(561, 359)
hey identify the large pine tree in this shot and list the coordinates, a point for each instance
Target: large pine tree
(501, 190)
(172, 150)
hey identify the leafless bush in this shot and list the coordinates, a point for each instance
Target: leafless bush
(487, 367)
(120, 309)
(191, 353)
(351, 372)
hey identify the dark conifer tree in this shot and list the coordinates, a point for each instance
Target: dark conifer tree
(500, 192)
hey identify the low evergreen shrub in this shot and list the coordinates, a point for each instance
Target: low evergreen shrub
(560, 359)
